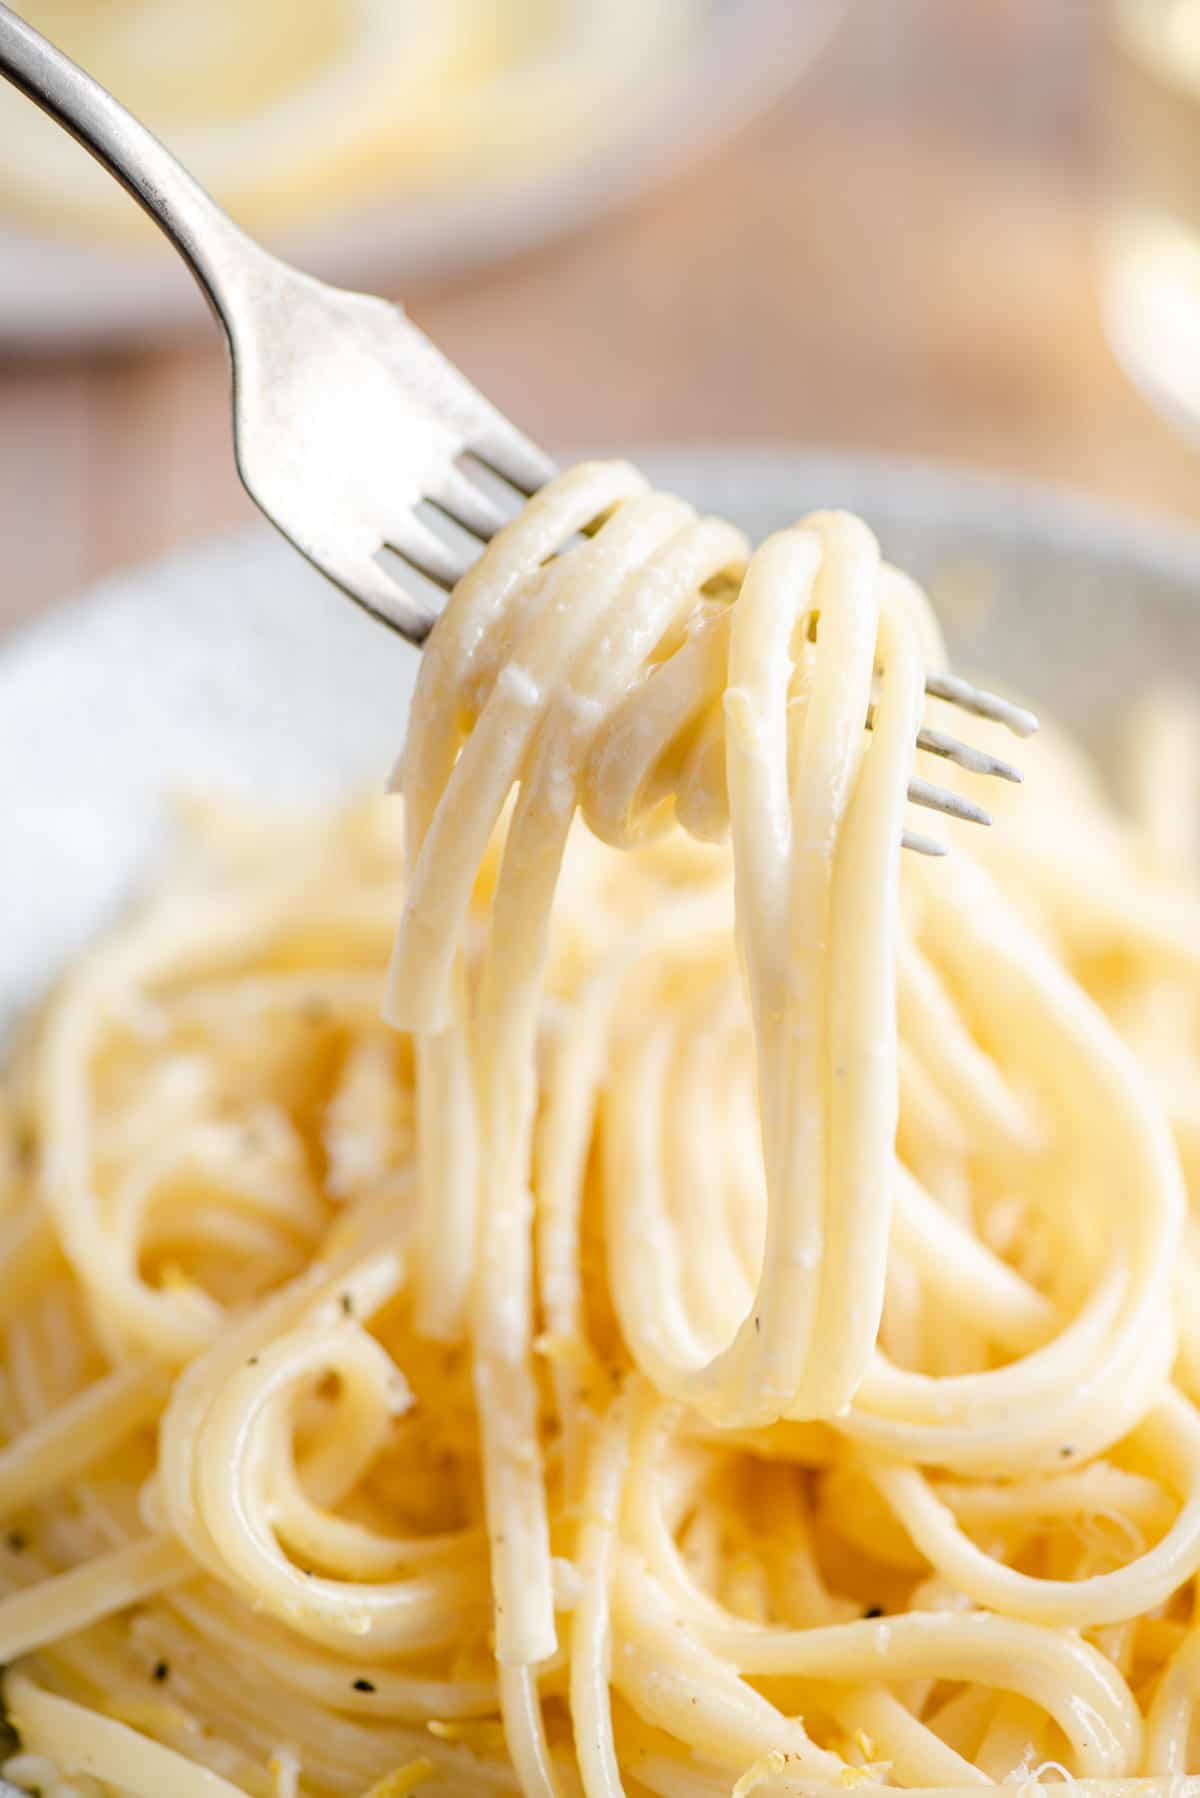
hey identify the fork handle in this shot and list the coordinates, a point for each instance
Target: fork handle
(215, 250)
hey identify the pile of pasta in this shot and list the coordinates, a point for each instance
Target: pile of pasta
(716, 1315)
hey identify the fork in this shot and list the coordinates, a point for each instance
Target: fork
(353, 433)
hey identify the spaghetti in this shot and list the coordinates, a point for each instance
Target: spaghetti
(729, 1334)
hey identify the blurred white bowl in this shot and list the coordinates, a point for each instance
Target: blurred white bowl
(55, 289)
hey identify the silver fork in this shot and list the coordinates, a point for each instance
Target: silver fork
(348, 422)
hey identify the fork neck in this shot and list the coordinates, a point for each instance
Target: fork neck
(218, 253)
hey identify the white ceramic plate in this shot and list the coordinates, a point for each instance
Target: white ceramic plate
(235, 668)
(55, 289)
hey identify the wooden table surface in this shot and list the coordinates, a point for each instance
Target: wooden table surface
(897, 257)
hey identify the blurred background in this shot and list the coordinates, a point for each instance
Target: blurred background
(967, 231)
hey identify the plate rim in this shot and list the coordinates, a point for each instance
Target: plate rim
(995, 503)
(730, 78)
(88, 646)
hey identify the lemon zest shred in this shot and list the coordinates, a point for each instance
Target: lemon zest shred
(765, 1768)
(480, 1733)
(404, 1780)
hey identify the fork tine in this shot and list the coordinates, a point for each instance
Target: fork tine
(913, 839)
(428, 554)
(465, 503)
(984, 705)
(976, 761)
(379, 594)
(511, 455)
(939, 799)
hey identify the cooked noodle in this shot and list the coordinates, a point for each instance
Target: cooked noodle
(729, 1331)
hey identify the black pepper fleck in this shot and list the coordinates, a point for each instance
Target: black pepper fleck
(347, 1304)
(875, 1610)
(363, 1685)
(1066, 1451)
(160, 1672)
